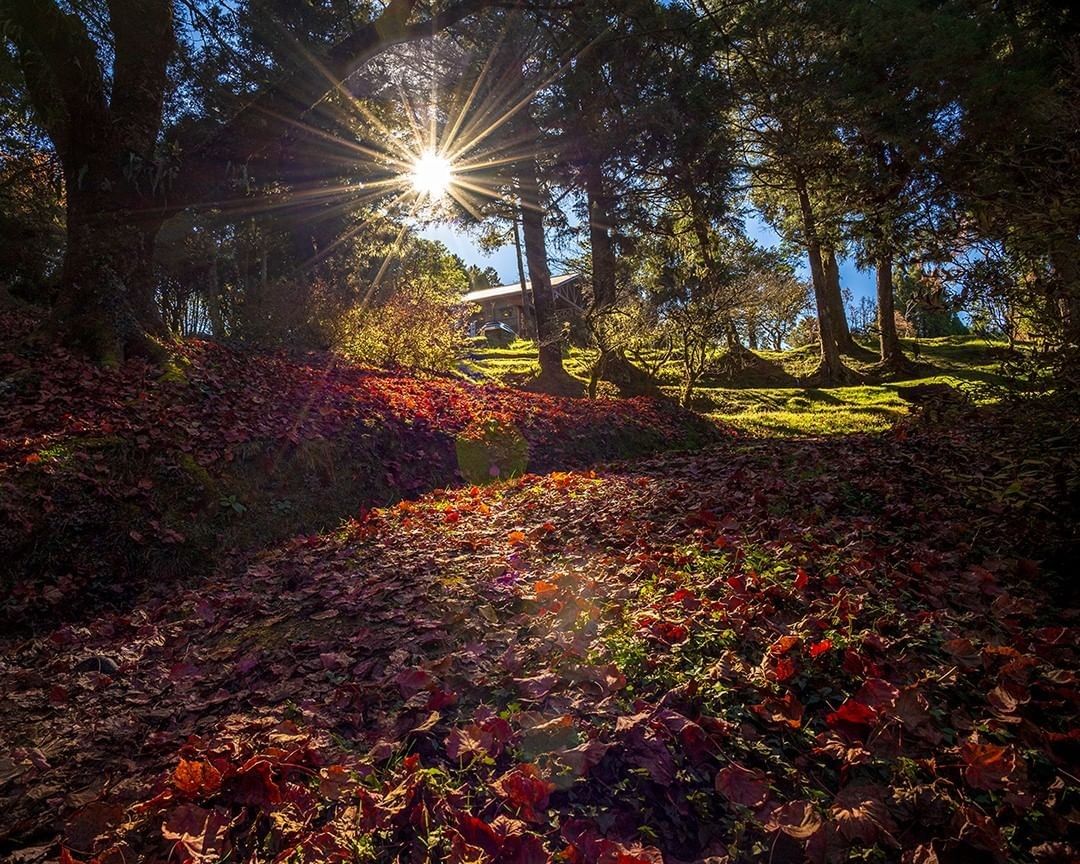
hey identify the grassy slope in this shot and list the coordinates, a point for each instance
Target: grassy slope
(759, 406)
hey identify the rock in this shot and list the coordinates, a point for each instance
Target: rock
(98, 663)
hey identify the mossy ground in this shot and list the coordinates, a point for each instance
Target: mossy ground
(761, 399)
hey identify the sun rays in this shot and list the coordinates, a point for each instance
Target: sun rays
(408, 146)
(431, 175)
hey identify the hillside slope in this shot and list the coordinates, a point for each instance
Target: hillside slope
(762, 395)
(114, 478)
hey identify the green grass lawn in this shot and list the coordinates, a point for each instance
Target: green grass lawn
(763, 401)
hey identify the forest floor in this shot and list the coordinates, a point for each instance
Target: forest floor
(787, 648)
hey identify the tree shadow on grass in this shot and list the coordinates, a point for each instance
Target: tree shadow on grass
(744, 369)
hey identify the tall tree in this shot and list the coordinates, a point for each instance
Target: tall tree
(628, 151)
(1014, 159)
(889, 110)
(790, 140)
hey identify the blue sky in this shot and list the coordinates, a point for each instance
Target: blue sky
(861, 282)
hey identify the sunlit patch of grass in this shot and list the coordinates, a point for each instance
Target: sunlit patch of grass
(518, 362)
(795, 411)
(969, 363)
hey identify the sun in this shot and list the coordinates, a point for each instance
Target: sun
(431, 174)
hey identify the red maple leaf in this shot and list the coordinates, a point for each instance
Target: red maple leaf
(525, 790)
(852, 713)
(742, 786)
(784, 670)
(987, 766)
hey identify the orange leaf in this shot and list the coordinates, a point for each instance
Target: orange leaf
(544, 589)
(783, 645)
(195, 777)
(516, 537)
(989, 766)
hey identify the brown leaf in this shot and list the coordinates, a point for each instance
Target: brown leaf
(1008, 696)
(784, 710)
(924, 854)
(537, 687)
(91, 822)
(583, 757)
(742, 786)
(202, 833)
(861, 815)
(526, 790)
(464, 744)
(797, 819)
(413, 681)
(987, 766)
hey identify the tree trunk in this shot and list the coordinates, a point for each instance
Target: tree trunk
(548, 331)
(106, 305)
(831, 369)
(701, 231)
(1065, 259)
(106, 130)
(891, 355)
(612, 365)
(687, 395)
(731, 334)
(105, 136)
(213, 299)
(844, 340)
(603, 256)
(528, 317)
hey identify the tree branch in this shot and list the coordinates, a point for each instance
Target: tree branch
(58, 59)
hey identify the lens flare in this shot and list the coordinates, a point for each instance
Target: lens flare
(431, 175)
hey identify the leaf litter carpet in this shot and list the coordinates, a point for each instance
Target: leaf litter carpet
(812, 650)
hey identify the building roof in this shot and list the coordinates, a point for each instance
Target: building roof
(514, 289)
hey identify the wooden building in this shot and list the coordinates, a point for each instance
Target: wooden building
(504, 303)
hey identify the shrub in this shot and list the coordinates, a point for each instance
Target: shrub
(417, 327)
(490, 449)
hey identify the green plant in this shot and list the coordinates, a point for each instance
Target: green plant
(230, 502)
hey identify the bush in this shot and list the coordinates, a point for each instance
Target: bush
(491, 449)
(416, 328)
